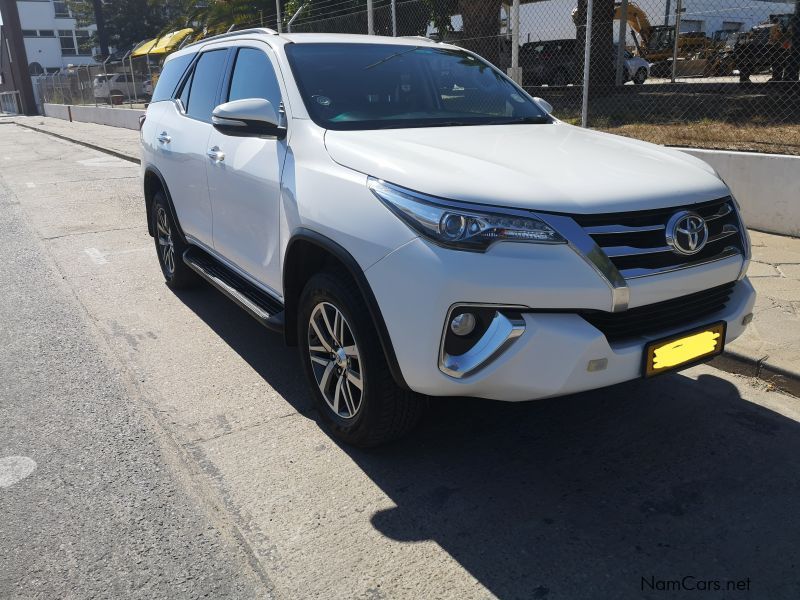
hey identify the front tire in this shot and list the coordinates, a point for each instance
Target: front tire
(345, 365)
(640, 77)
(170, 247)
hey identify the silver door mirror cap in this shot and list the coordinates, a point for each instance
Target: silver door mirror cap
(544, 105)
(249, 116)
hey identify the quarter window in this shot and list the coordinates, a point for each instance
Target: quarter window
(171, 76)
(205, 84)
(254, 77)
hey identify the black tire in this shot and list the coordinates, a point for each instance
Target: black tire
(641, 76)
(177, 273)
(384, 412)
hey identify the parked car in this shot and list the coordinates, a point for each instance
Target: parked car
(420, 226)
(560, 62)
(121, 85)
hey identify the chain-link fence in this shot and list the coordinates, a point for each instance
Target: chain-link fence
(710, 73)
(126, 82)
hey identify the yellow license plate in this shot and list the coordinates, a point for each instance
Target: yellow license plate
(682, 350)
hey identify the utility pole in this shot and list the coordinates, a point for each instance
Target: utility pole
(18, 59)
(100, 21)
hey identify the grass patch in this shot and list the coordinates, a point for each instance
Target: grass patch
(717, 135)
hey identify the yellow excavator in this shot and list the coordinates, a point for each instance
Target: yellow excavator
(654, 42)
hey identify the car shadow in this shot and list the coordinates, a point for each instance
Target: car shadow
(616, 493)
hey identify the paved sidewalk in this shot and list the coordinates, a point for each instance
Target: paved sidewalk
(770, 348)
(119, 141)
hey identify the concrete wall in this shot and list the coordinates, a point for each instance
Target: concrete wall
(116, 117)
(767, 187)
(59, 111)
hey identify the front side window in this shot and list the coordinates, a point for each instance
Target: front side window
(204, 85)
(382, 86)
(254, 77)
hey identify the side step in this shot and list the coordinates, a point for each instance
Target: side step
(261, 306)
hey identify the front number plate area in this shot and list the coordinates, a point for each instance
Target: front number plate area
(684, 349)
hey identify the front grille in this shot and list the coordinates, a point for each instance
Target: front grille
(636, 241)
(661, 316)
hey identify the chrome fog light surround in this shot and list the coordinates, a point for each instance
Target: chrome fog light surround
(505, 327)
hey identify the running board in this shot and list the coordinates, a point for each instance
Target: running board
(258, 304)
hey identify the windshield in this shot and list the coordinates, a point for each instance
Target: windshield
(383, 86)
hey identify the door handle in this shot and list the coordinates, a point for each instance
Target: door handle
(164, 138)
(215, 154)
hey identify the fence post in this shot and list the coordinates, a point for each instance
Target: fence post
(678, 11)
(294, 16)
(394, 18)
(370, 18)
(623, 32)
(587, 56)
(515, 70)
(278, 14)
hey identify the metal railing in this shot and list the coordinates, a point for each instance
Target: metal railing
(11, 103)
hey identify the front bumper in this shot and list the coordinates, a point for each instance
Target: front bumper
(551, 357)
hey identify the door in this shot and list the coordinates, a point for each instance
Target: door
(182, 141)
(244, 178)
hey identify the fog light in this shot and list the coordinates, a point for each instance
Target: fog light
(598, 364)
(463, 324)
(747, 318)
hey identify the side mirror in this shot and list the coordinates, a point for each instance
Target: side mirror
(248, 117)
(544, 105)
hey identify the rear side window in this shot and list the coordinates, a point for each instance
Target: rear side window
(205, 83)
(254, 77)
(170, 76)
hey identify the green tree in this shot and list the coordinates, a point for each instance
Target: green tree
(128, 22)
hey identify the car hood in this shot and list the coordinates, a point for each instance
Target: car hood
(552, 167)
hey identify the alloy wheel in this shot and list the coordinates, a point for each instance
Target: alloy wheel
(335, 360)
(166, 245)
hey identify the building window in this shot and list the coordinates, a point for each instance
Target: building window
(731, 26)
(47, 33)
(61, 9)
(29, 33)
(691, 25)
(67, 42)
(84, 39)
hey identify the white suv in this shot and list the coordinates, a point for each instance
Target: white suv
(420, 226)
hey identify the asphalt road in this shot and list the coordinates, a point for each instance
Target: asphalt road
(177, 454)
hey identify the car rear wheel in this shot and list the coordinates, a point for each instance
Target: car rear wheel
(641, 76)
(345, 365)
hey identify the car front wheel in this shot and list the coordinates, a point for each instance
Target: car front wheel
(345, 365)
(640, 77)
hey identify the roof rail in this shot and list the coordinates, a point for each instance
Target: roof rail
(235, 32)
(419, 37)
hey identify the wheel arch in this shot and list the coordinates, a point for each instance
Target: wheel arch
(307, 253)
(153, 183)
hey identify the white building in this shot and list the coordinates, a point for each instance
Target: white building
(53, 39)
(552, 19)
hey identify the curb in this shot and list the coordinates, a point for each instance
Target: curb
(759, 368)
(121, 155)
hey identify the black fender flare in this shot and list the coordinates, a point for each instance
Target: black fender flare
(150, 170)
(355, 271)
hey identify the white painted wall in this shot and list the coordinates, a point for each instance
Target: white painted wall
(127, 118)
(767, 186)
(40, 15)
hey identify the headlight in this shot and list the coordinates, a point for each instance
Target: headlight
(460, 226)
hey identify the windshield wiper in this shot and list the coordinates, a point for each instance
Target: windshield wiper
(391, 56)
(522, 121)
